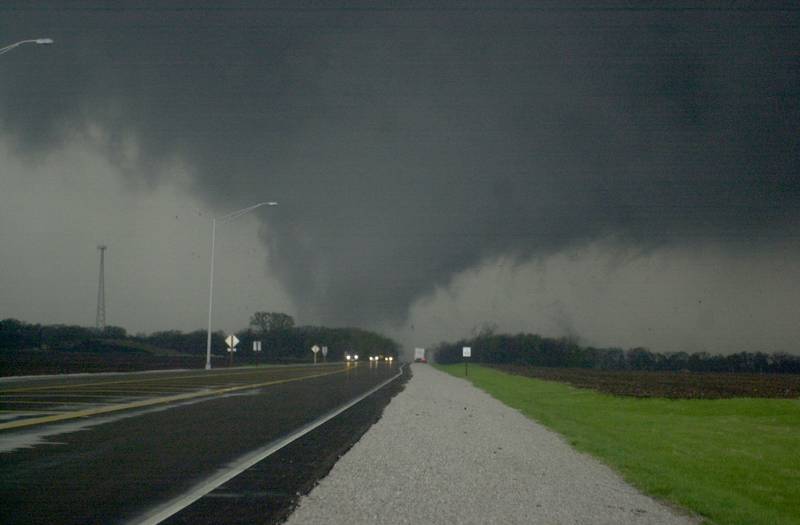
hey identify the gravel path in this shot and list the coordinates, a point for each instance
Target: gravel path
(445, 452)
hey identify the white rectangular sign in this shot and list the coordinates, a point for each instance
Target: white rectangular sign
(256, 346)
(467, 351)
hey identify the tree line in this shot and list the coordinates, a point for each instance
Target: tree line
(281, 340)
(535, 350)
(16, 335)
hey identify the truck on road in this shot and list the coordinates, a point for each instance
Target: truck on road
(419, 355)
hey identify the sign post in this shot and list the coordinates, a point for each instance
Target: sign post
(231, 341)
(315, 349)
(466, 353)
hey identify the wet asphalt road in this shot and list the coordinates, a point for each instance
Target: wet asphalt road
(112, 467)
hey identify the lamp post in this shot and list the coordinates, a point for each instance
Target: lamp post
(39, 41)
(225, 218)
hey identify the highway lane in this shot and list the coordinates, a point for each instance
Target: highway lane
(30, 401)
(108, 466)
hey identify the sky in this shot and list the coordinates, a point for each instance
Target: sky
(618, 172)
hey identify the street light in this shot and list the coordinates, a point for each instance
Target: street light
(40, 41)
(225, 218)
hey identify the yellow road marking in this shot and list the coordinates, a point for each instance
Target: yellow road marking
(150, 402)
(98, 392)
(57, 397)
(135, 387)
(205, 375)
(28, 411)
(108, 392)
(54, 403)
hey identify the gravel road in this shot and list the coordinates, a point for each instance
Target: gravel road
(445, 452)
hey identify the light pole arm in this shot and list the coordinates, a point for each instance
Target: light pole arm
(4, 50)
(9, 48)
(238, 213)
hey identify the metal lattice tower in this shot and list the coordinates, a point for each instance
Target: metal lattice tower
(101, 292)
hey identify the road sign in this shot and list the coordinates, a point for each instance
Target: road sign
(324, 351)
(315, 349)
(256, 346)
(231, 341)
(467, 351)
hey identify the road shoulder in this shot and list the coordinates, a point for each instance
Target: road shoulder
(446, 452)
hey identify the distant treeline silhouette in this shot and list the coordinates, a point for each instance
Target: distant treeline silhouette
(535, 350)
(279, 343)
(17, 335)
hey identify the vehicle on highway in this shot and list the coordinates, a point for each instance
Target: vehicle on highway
(420, 355)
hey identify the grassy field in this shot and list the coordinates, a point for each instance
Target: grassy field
(670, 384)
(733, 461)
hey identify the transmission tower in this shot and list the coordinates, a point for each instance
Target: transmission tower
(101, 292)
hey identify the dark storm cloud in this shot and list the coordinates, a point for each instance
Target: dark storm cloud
(406, 145)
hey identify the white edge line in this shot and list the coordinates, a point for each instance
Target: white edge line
(175, 505)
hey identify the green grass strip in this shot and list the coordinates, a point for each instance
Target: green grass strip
(733, 461)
